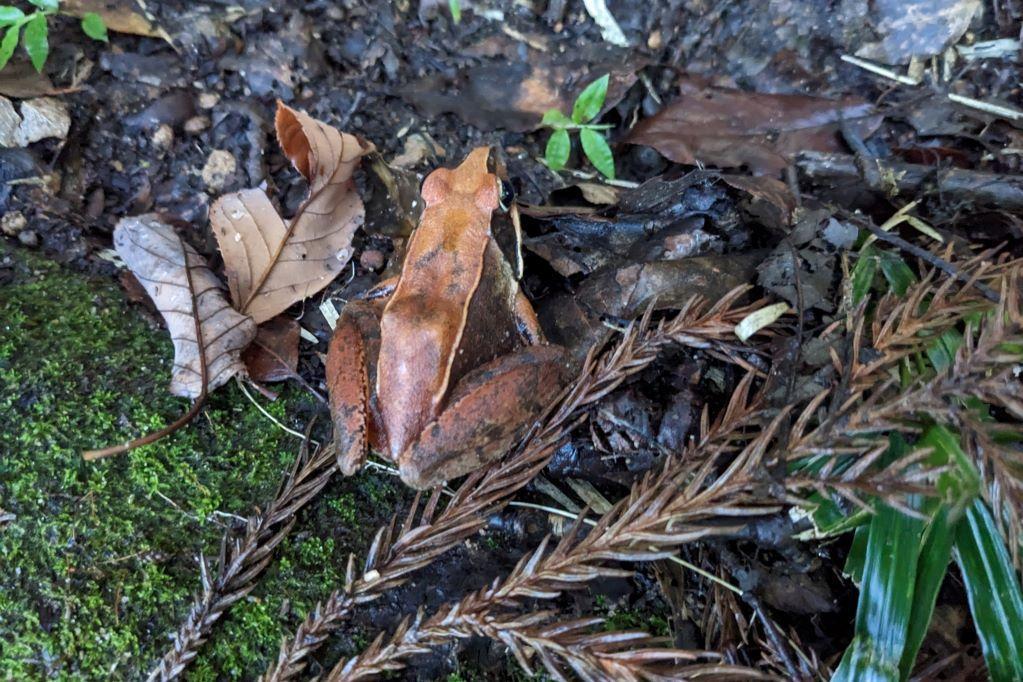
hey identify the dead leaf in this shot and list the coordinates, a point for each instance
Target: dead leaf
(514, 95)
(273, 355)
(920, 28)
(272, 263)
(627, 291)
(123, 16)
(157, 256)
(770, 200)
(20, 80)
(729, 128)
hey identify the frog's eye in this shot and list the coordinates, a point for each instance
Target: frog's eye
(506, 194)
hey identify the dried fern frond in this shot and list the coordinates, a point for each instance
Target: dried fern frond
(392, 558)
(685, 500)
(242, 560)
(565, 649)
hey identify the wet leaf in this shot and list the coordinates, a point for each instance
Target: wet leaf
(731, 128)
(121, 16)
(555, 119)
(558, 148)
(770, 200)
(36, 43)
(8, 44)
(916, 28)
(273, 355)
(93, 26)
(514, 95)
(179, 281)
(10, 15)
(590, 100)
(272, 263)
(598, 152)
(46, 5)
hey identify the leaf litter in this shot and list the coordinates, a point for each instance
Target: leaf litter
(615, 252)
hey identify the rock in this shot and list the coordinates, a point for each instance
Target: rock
(197, 124)
(43, 117)
(9, 124)
(28, 238)
(208, 100)
(172, 109)
(163, 137)
(219, 168)
(13, 223)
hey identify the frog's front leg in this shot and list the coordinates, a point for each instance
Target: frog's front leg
(484, 416)
(351, 373)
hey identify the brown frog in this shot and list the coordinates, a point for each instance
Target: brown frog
(441, 369)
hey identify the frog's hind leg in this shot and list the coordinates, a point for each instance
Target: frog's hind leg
(488, 412)
(351, 373)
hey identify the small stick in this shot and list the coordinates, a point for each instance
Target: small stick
(925, 255)
(879, 70)
(987, 107)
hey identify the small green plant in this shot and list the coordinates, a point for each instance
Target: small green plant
(35, 36)
(584, 111)
(456, 10)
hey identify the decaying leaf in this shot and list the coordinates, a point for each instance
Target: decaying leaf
(158, 256)
(515, 94)
(730, 128)
(273, 356)
(916, 28)
(272, 263)
(123, 16)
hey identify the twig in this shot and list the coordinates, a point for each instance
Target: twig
(484, 493)
(879, 70)
(934, 260)
(995, 109)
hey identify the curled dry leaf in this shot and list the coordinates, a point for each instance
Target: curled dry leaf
(179, 281)
(730, 128)
(272, 263)
(273, 356)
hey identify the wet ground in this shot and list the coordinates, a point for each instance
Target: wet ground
(169, 125)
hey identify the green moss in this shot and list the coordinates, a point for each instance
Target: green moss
(98, 566)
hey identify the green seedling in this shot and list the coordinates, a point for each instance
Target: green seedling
(456, 10)
(584, 111)
(34, 38)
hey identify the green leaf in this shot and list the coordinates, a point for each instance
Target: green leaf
(35, 41)
(596, 150)
(899, 275)
(886, 598)
(863, 274)
(456, 10)
(555, 119)
(930, 572)
(590, 100)
(10, 15)
(857, 555)
(558, 148)
(8, 44)
(94, 27)
(993, 590)
(46, 5)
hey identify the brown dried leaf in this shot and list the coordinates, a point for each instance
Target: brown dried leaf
(157, 256)
(273, 356)
(123, 16)
(730, 128)
(272, 263)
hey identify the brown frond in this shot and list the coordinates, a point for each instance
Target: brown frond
(243, 560)
(487, 491)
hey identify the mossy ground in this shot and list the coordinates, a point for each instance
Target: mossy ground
(98, 566)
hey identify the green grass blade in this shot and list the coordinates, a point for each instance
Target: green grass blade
(930, 572)
(996, 601)
(886, 599)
